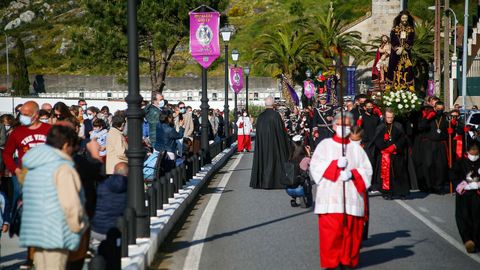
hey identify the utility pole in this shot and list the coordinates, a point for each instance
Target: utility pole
(437, 58)
(446, 58)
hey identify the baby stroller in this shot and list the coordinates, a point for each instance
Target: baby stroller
(298, 186)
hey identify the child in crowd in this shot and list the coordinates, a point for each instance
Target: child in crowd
(99, 134)
(467, 201)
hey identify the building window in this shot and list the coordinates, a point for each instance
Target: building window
(214, 96)
(255, 96)
(189, 96)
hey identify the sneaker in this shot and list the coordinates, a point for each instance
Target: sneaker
(470, 246)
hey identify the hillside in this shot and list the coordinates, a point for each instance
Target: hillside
(48, 34)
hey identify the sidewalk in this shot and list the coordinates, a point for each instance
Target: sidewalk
(11, 253)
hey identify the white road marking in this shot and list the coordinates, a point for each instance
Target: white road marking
(192, 261)
(438, 219)
(423, 209)
(451, 240)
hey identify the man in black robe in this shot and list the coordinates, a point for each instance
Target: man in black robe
(272, 149)
(467, 199)
(357, 110)
(369, 123)
(433, 165)
(391, 176)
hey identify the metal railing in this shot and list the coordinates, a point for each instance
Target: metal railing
(166, 184)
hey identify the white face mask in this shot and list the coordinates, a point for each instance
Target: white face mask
(245, 114)
(90, 116)
(346, 131)
(25, 120)
(44, 120)
(472, 157)
(7, 127)
(84, 107)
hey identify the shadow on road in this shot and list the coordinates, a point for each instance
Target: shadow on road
(382, 238)
(184, 244)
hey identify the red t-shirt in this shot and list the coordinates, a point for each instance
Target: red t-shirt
(22, 139)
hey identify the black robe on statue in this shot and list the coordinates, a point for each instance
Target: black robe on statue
(272, 149)
(399, 177)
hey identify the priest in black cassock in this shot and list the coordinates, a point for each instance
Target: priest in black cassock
(272, 149)
(369, 123)
(432, 165)
(391, 176)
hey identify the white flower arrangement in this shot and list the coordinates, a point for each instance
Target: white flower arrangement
(401, 101)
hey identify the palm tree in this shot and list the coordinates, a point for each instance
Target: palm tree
(332, 42)
(422, 52)
(284, 51)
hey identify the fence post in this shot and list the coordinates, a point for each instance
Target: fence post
(164, 183)
(152, 201)
(183, 170)
(131, 225)
(159, 193)
(174, 173)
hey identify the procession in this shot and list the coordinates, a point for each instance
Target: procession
(356, 147)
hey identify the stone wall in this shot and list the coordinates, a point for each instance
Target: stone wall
(63, 83)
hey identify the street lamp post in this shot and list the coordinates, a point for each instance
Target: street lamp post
(135, 152)
(246, 70)
(235, 56)
(464, 57)
(226, 32)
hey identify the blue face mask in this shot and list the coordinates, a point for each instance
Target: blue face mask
(182, 111)
(25, 120)
(161, 104)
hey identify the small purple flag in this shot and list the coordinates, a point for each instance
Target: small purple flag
(236, 79)
(309, 88)
(204, 40)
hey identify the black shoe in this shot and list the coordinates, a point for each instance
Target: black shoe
(403, 198)
(293, 203)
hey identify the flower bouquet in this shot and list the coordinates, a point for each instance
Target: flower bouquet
(401, 102)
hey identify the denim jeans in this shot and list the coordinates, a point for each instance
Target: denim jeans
(296, 192)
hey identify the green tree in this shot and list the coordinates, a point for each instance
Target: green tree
(422, 52)
(162, 27)
(332, 42)
(20, 82)
(284, 51)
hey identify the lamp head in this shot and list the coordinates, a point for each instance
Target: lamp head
(308, 73)
(246, 70)
(235, 55)
(226, 32)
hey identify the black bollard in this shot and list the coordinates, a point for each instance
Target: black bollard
(131, 225)
(194, 165)
(164, 184)
(152, 201)
(183, 170)
(122, 226)
(159, 196)
(169, 184)
(174, 173)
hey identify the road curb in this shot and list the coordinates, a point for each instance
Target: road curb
(142, 254)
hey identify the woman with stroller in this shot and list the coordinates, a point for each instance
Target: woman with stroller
(301, 189)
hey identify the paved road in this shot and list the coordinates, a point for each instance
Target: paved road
(257, 229)
(11, 254)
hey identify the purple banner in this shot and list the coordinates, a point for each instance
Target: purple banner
(431, 87)
(204, 41)
(309, 88)
(236, 79)
(351, 81)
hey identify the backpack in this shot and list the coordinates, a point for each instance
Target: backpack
(16, 217)
(291, 173)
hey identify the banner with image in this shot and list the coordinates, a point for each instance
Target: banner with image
(236, 79)
(204, 39)
(309, 88)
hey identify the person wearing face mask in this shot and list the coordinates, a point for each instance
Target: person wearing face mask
(456, 132)
(358, 109)
(116, 146)
(340, 176)
(152, 115)
(30, 134)
(245, 127)
(431, 163)
(467, 200)
(83, 104)
(369, 123)
(391, 165)
(44, 116)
